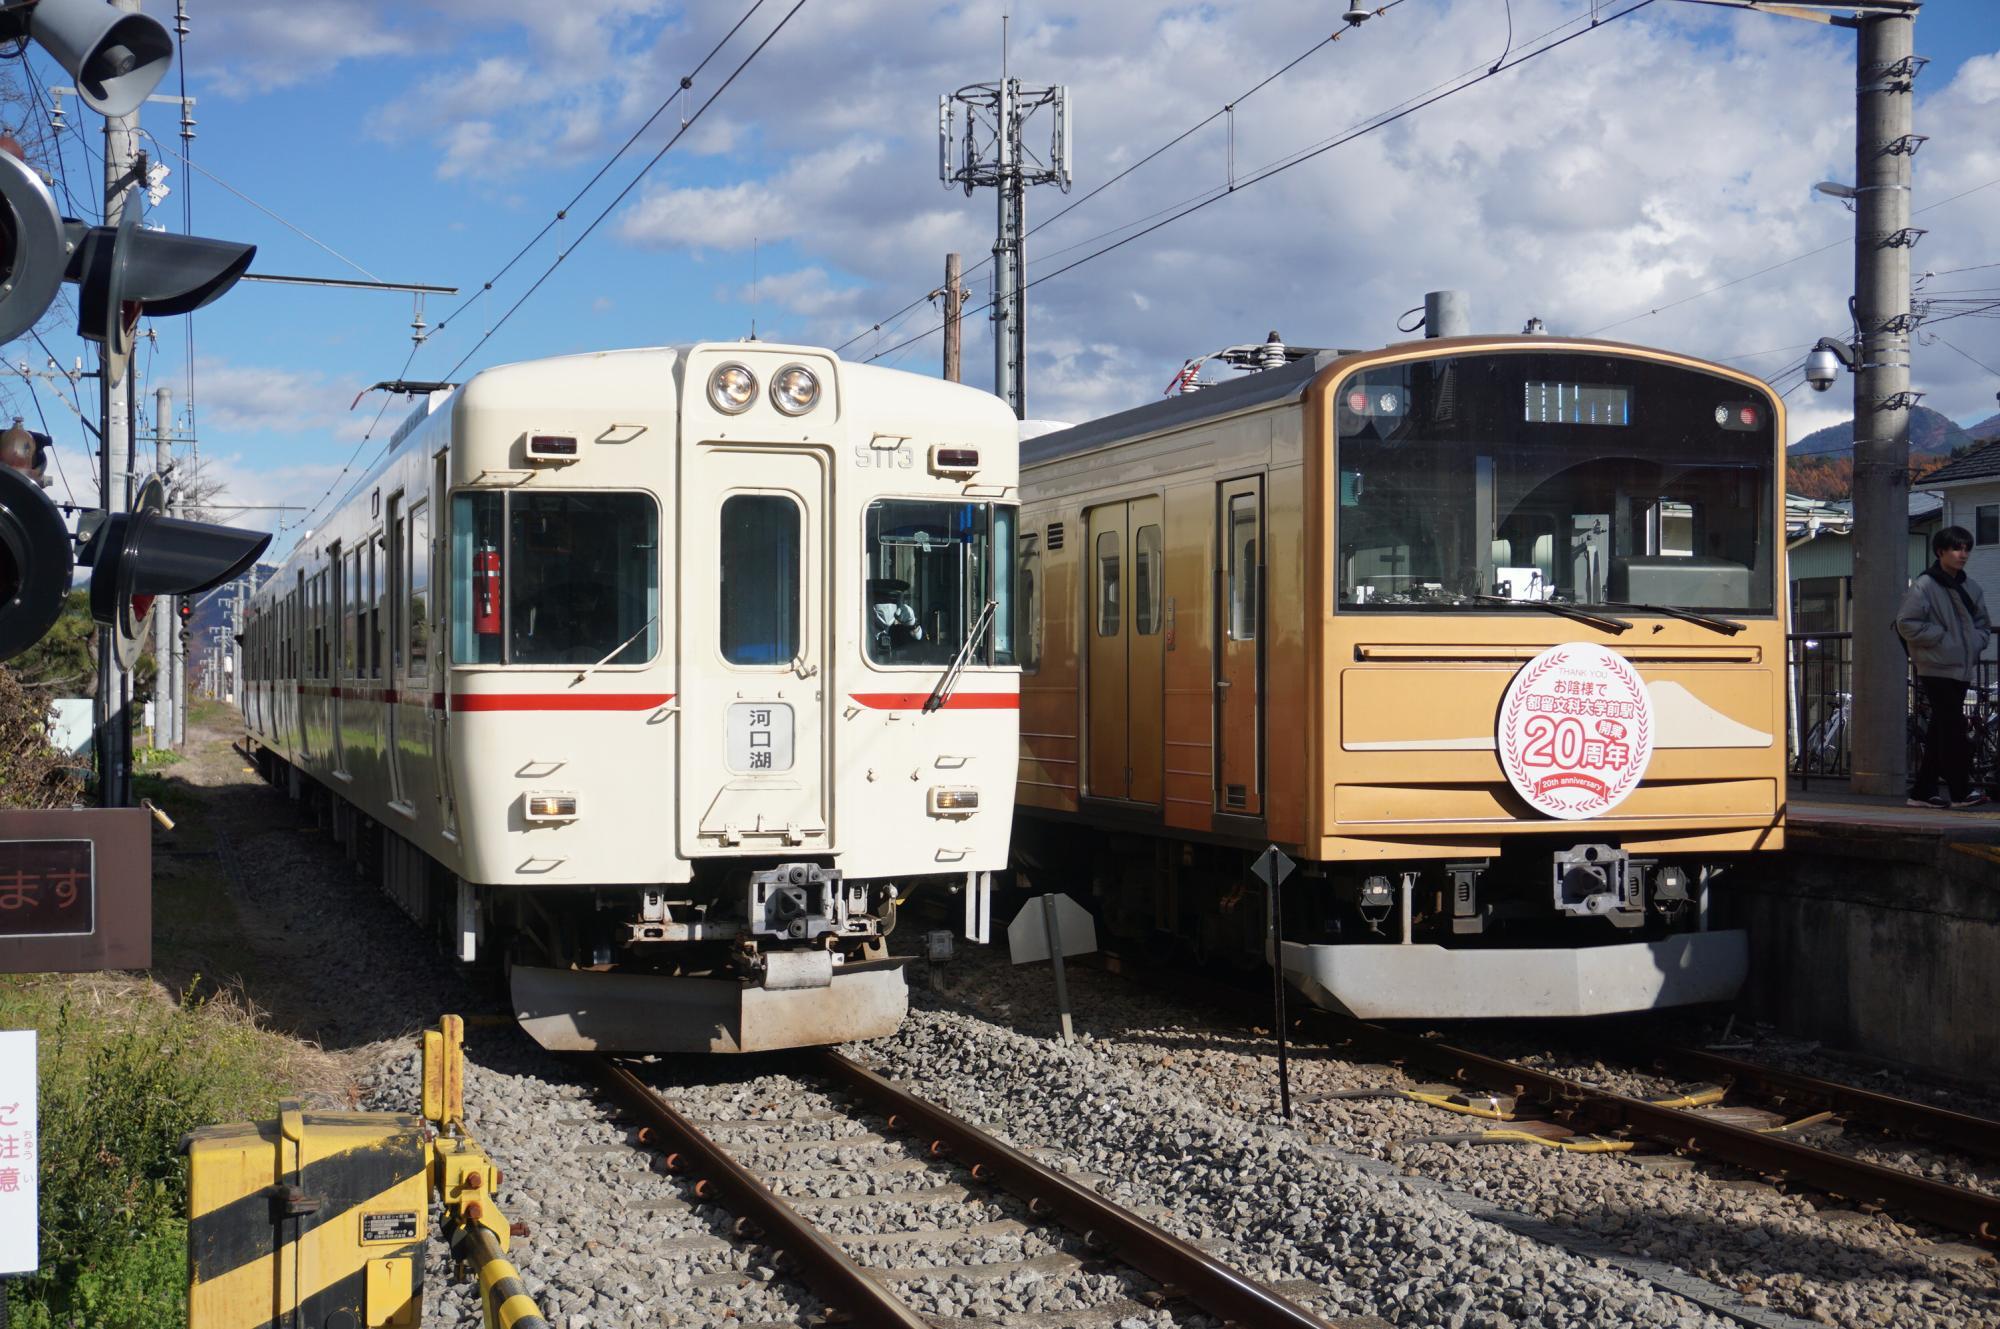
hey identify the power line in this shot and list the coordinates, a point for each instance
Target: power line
(1961, 350)
(1300, 158)
(598, 220)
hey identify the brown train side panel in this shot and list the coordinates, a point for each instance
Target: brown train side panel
(1050, 711)
(1189, 716)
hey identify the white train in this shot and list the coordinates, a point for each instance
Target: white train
(663, 675)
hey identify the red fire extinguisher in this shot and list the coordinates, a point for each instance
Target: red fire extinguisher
(486, 591)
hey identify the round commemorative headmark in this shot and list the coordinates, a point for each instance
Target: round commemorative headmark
(1576, 730)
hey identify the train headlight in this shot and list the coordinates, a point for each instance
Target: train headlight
(953, 801)
(550, 806)
(731, 388)
(795, 390)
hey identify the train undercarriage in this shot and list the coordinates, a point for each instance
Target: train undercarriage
(1553, 926)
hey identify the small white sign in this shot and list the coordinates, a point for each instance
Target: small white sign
(759, 737)
(1028, 934)
(1576, 730)
(20, 1246)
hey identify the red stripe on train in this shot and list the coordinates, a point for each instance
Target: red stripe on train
(962, 701)
(558, 701)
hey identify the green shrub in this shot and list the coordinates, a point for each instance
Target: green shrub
(122, 1080)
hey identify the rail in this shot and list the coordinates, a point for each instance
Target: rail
(1819, 674)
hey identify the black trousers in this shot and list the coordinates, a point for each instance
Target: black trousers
(1947, 747)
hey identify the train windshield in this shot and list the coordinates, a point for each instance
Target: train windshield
(931, 569)
(553, 578)
(1479, 483)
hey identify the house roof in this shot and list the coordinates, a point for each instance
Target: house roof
(1982, 463)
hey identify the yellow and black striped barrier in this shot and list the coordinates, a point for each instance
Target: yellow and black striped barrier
(320, 1218)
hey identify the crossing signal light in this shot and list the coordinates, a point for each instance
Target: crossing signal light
(34, 247)
(117, 58)
(136, 556)
(126, 272)
(35, 562)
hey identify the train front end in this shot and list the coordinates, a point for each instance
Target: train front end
(767, 703)
(1552, 700)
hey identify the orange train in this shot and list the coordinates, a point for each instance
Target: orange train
(1487, 632)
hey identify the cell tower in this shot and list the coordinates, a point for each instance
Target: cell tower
(994, 156)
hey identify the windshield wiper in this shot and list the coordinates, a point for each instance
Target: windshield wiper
(1603, 622)
(942, 692)
(1727, 626)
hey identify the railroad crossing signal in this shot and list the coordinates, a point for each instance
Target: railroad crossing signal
(117, 58)
(35, 562)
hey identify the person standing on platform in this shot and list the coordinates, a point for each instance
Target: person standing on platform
(1943, 620)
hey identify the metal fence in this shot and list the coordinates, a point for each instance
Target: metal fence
(1819, 717)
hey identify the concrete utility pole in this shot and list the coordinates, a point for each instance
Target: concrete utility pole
(954, 308)
(1885, 74)
(994, 156)
(166, 625)
(113, 711)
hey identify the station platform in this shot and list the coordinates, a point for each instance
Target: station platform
(1878, 932)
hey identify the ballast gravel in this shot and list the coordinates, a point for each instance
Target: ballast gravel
(1171, 1107)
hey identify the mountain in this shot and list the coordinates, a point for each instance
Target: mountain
(1932, 434)
(1986, 430)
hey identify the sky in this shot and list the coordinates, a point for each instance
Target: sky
(1648, 179)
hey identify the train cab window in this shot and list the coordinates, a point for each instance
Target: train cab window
(1028, 604)
(761, 575)
(417, 593)
(932, 568)
(1109, 592)
(1146, 581)
(555, 578)
(1242, 567)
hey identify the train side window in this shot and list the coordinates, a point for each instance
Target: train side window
(417, 595)
(1146, 581)
(371, 607)
(393, 585)
(478, 528)
(760, 579)
(1242, 567)
(1028, 604)
(1108, 591)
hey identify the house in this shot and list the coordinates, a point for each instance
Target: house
(1819, 541)
(1970, 489)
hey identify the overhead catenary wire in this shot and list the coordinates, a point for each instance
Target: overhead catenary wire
(1300, 158)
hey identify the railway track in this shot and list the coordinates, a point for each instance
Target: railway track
(1696, 1123)
(942, 1178)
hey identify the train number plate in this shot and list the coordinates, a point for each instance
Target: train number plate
(759, 737)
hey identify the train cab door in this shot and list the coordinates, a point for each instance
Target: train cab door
(754, 655)
(1239, 700)
(392, 616)
(1125, 670)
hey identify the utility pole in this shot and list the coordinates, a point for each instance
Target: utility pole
(166, 686)
(954, 308)
(995, 156)
(1886, 71)
(113, 711)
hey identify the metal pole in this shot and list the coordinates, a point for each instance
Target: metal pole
(1006, 297)
(954, 306)
(163, 616)
(1276, 899)
(1883, 105)
(1056, 960)
(114, 683)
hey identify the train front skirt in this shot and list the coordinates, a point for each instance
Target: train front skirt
(570, 1010)
(1425, 982)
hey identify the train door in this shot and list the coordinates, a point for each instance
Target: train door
(437, 674)
(755, 618)
(340, 663)
(395, 611)
(300, 669)
(1239, 700)
(1126, 665)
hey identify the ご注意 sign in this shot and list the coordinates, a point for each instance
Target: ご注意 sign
(20, 1244)
(1576, 730)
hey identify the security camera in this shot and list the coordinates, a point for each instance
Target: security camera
(1822, 368)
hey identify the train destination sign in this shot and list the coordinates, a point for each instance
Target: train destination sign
(1576, 730)
(76, 890)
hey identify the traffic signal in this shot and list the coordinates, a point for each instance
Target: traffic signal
(34, 248)
(136, 556)
(117, 58)
(126, 272)
(35, 563)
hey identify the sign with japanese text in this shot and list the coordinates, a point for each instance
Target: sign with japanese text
(20, 1245)
(1576, 730)
(76, 890)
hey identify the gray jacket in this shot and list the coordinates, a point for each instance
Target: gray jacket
(1945, 641)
